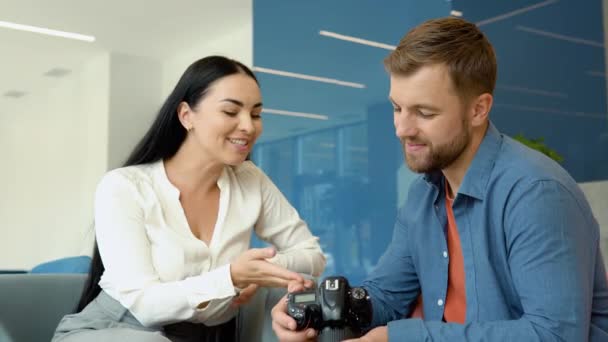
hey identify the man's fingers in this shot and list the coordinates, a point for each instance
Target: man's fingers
(284, 326)
(292, 336)
(281, 305)
(311, 333)
(280, 316)
(285, 321)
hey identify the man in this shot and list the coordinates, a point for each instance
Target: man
(496, 239)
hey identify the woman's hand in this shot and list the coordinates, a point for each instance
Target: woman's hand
(251, 267)
(245, 295)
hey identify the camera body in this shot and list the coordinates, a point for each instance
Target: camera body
(335, 309)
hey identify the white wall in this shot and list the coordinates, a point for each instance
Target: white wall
(135, 97)
(237, 44)
(58, 145)
(140, 85)
(597, 195)
(53, 156)
(95, 83)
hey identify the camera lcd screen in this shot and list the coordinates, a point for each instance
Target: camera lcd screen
(306, 297)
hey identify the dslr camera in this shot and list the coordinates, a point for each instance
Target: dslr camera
(336, 310)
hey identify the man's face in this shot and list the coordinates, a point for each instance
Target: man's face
(430, 119)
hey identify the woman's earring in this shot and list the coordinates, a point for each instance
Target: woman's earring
(190, 128)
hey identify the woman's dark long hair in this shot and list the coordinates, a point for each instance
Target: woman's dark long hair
(166, 135)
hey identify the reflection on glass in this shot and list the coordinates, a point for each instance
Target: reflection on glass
(326, 178)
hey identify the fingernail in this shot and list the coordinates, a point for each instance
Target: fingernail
(311, 333)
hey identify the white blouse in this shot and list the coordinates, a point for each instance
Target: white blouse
(156, 267)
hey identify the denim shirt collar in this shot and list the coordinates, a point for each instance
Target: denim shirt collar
(476, 178)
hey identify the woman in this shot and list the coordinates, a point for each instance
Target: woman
(173, 226)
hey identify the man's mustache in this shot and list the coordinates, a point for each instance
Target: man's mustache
(411, 141)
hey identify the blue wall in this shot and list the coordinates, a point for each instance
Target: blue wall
(346, 175)
(571, 113)
(342, 174)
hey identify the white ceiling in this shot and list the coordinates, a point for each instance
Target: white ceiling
(155, 29)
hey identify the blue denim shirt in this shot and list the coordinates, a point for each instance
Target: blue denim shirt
(534, 270)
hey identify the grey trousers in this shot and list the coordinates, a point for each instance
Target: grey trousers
(105, 319)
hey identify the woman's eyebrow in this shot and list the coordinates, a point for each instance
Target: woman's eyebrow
(241, 104)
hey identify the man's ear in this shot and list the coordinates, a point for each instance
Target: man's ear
(480, 109)
(184, 113)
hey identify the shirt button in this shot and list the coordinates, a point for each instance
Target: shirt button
(440, 302)
(445, 254)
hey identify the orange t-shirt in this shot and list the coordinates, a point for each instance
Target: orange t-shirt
(456, 299)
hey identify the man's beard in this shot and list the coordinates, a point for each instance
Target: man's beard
(438, 157)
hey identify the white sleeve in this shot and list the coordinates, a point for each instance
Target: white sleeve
(129, 272)
(280, 224)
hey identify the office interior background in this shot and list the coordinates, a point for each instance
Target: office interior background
(72, 109)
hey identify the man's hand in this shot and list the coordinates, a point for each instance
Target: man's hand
(283, 325)
(379, 334)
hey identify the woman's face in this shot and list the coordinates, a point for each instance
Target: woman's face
(226, 122)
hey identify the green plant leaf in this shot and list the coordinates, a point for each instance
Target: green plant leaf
(539, 145)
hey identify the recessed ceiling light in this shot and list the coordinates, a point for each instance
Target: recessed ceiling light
(296, 114)
(456, 13)
(599, 116)
(57, 72)
(515, 12)
(532, 91)
(308, 77)
(14, 94)
(357, 40)
(46, 31)
(560, 36)
(348, 116)
(596, 73)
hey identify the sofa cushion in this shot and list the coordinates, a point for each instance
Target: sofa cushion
(33, 304)
(75, 264)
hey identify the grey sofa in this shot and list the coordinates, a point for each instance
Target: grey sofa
(31, 306)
